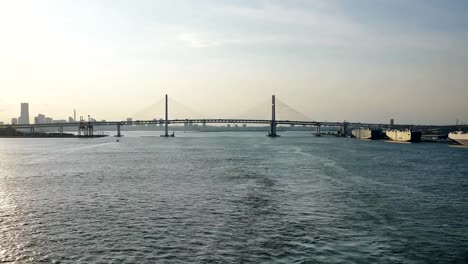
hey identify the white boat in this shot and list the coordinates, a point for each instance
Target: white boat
(366, 133)
(459, 137)
(403, 135)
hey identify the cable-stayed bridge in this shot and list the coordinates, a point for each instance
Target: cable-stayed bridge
(86, 127)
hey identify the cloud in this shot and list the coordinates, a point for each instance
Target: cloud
(198, 40)
(317, 23)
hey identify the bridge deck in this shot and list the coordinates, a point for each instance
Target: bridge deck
(228, 121)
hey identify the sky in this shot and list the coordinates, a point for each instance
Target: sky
(354, 60)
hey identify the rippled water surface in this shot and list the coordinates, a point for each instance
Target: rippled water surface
(232, 198)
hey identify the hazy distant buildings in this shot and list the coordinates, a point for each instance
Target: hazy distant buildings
(129, 119)
(1, 123)
(40, 119)
(24, 117)
(71, 119)
(14, 121)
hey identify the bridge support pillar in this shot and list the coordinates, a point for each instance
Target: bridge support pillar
(317, 132)
(61, 130)
(118, 130)
(272, 132)
(344, 129)
(31, 130)
(90, 130)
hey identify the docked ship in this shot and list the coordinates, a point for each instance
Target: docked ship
(366, 133)
(403, 135)
(459, 137)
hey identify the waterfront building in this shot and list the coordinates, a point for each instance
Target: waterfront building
(70, 119)
(49, 120)
(14, 121)
(129, 119)
(24, 117)
(2, 123)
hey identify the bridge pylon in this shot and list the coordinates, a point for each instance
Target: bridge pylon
(273, 124)
(166, 120)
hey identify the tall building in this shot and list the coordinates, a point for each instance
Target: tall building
(24, 117)
(74, 115)
(14, 121)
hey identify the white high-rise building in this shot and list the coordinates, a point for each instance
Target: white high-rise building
(24, 117)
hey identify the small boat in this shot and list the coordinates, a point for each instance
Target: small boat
(460, 137)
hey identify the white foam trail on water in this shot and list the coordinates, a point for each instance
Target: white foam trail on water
(45, 156)
(299, 151)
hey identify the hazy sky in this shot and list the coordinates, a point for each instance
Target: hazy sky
(352, 60)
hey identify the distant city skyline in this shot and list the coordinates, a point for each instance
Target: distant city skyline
(366, 61)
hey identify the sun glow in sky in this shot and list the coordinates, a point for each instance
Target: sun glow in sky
(363, 60)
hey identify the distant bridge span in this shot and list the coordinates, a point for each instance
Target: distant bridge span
(87, 127)
(231, 121)
(179, 121)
